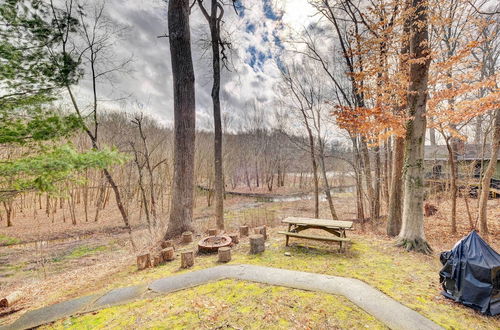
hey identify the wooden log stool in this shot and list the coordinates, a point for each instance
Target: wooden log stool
(157, 260)
(243, 231)
(143, 261)
(224, 254)
(212, 232)
(257, 244)
(187, 237)
(187, 259)
(167, 254)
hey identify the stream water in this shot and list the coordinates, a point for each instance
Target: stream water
(308, 196)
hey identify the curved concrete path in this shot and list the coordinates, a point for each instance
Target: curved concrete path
(385, 309)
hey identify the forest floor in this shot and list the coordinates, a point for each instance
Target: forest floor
(102, 260)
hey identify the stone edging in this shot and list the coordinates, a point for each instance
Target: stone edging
(385, 309)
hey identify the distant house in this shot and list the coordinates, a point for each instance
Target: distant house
(471, 158)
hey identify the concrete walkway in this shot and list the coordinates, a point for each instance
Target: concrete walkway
(385, 309)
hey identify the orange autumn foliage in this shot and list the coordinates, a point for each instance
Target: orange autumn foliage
(458, 91)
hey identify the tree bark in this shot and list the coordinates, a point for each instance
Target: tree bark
(488, 174)
(478, 130)
(315, 174)
(452, 162)
(325, 179)
(367, 170)
(181, 212)
(359, 181)
(412, 236)
(396, 192)
(394, 219)
(377, 186)
(214, 20)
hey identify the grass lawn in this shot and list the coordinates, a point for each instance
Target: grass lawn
(231, 304)
(410, 278)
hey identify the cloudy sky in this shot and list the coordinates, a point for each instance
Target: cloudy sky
(257, 37)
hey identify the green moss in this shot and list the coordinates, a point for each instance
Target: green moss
(7, 240)
(231, 304)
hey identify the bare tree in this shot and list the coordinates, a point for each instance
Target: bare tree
(97, 37)
(345, 17)
(181, 212)
(309, 99)
(214, 20)
(293, 86)
(489, 57)
(488, 174)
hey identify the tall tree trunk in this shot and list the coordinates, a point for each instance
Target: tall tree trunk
(8, 212)
(452, 163)
(107, 174)
(394, 212)
(359, 179)
(214, 21)
(325, 179)
(376, 188)
(367, 170)
(478, 130)
(256, 175)
(387, 171)
(396, 192)
(181, 212)
(314, 164)
(412, 236)
(488, 174)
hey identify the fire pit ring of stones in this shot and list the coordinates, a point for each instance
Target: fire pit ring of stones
(212, 244)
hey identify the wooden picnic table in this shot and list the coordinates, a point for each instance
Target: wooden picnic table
(335, 227)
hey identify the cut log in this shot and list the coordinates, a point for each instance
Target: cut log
(257, 244)
(235, 238)
(187, 237)
(224, 254)
(187, 259)
(168, 254)
(262, 231)
(212, 232)
(143, 261)
(157, 260)
(12, 298)
(243, 231)
(167, 244)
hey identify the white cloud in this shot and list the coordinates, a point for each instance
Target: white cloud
(149, 81)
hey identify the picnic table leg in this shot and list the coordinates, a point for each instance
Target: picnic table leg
(287, 237)
(342, 234)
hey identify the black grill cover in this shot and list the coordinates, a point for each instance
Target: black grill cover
(471, 274)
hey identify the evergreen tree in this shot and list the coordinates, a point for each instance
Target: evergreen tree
(34, 139)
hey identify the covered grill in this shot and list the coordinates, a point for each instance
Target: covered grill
(471, 274)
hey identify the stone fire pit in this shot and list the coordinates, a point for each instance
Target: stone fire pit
(211, 244)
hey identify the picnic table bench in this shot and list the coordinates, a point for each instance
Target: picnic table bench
(335, 227)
